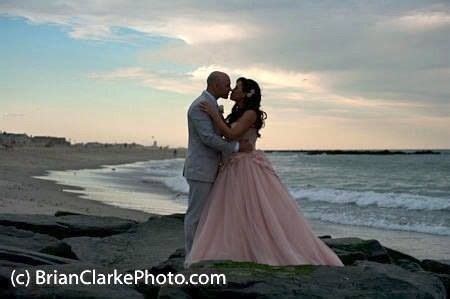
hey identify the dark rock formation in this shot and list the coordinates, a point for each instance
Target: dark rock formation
(440, 269)
(13, 237)
(52, 290)
(147, 245)
(69, 243)
(17, 257)
(350, 250)
(442, 266)
(365, 279)
(69, 225)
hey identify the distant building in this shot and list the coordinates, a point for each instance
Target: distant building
(12, 139)
(94, 144)
(49, 141)
(155, 143)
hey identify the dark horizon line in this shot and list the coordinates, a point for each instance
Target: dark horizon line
(360, 149)
(366, 152)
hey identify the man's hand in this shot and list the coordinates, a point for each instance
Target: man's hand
(210, 110)
(245, 146)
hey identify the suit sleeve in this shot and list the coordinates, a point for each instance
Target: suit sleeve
(204, 128)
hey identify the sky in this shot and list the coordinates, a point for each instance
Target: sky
(334, 74)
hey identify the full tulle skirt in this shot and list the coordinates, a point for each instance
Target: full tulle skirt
(250, 215)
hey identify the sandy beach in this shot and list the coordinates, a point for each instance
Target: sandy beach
(20, 193)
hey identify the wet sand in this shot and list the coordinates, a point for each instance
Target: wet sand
(20, 193)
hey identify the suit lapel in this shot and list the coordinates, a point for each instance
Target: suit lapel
(213, 102)
(210, 99)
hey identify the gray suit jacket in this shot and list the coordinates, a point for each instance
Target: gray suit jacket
(205, 144)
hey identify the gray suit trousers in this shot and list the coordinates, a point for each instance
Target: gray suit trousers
(198, 192)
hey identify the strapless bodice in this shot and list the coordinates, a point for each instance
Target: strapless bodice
(250, 135)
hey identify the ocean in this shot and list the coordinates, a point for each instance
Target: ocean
(401, 200)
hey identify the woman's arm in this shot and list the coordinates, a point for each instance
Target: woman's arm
(234, 133)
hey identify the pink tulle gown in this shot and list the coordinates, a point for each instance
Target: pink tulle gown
(249, 215)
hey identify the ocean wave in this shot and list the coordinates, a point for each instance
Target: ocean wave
(381, 223)
(179, 185)
(169, 173)
(176, 184)
(367, 198)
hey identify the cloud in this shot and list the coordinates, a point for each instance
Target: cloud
(282, 91)
(367, 57)
(97, 19)
(419, 21)
(183, 83)
(274, 82)
(13, 115)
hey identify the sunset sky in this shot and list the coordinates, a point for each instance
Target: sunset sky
(334, 74)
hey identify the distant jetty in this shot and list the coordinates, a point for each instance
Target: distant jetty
(356, 152)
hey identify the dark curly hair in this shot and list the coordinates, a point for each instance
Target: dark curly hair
(252, 103)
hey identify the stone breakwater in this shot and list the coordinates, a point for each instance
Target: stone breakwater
(71, 243)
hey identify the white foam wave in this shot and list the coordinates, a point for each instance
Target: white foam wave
(176, 184)
(380, 223)
(169, 173)
(367, 198)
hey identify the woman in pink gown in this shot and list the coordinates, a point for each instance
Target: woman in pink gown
(249, 214)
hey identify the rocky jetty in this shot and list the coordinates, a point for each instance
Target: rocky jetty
(69, 243)
(357, 152)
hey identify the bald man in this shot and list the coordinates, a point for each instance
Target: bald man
(204, 150)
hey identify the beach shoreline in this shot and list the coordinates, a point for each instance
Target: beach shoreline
(21, 193)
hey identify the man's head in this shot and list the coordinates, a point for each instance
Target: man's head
(218, 84)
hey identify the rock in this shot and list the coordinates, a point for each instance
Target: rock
(440, 269)
(14, 256)
(403, 260)
(95, 226)
(179, 216)
(65, 213)
(366, 279)
(442, 266)
(353, 249)
(349, 258)
(43, 224)
(149, 244)
(5, 275)
(174, 293)
(76, 292)
(175, 263)
(108, 243)
(53, 290)
(445, 278)
(6, 263)
(68, 225)
(11, 236)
